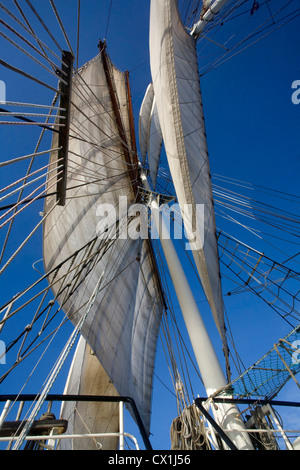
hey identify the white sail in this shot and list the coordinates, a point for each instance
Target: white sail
(177, 92)
(123, 323)
(144, 121)
(155, 143)
(87, 377)
(150, 136)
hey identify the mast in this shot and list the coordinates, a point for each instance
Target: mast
(208, 363)
(175, 76)
(208, 15)
(64, 113)
(176, 84)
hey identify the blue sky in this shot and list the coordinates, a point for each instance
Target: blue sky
(252, 130)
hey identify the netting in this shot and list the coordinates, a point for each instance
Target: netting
(273, 282)
(265, 378)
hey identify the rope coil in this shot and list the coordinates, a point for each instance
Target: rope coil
(188, 431)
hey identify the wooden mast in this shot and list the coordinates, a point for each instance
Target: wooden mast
(65, 88)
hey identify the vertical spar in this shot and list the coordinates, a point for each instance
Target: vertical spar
(176, 85)
(65, 86)
(206, 357)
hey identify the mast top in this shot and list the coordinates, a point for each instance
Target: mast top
(207, 15)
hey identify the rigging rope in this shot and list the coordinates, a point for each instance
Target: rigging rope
(21, 202)
(252, 186)
(19, 159)
(108, 19)
(38, 41)
(88, 87)
(29, 55)
(25, 185)
(23, 243)
(61, 360)
(78, 33)
(30, 31)
(221, 60)
(43, 24)
(27, 75)
(188, 431)
(27, 175)
(16, 103)
(61, 26)
(108, 113)
(87, 259)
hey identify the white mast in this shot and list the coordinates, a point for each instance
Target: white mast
(207, 16)
(208, 363)
(175, 77)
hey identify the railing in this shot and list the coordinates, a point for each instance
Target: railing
(203, 403)
(8, 399)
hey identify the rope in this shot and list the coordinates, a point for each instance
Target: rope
(39, 124)
(25, 241)
(31, 32)
(188, 431)
(42, 54)
(61, 360)
(27, 75)
(259, 188)
(27, 175)
(28, 198)
(30, 55)
(265, 441)
(78, 33)
(25, 185)
(221, 60)
(69, 284)
(36, 154)
(61, 25)
(16, 103)
(43, 24)
(108, 19)
(21, 113)
(268, 375)
(38, 41)
(269, 277)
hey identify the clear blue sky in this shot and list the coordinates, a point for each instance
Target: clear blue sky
(252, 130)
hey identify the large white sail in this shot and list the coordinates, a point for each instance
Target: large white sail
(177, 93)
(144, 121)
(150, 135)
(122, 325)
(155, 144)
